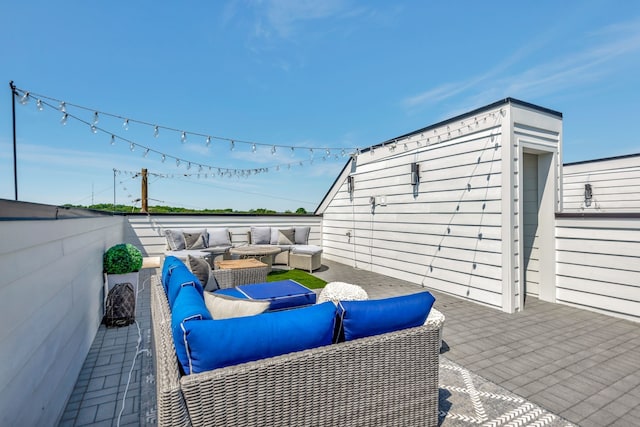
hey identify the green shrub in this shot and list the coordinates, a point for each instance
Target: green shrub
(121, 259)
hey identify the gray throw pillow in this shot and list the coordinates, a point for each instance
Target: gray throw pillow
(285, 236)
(195, 240)
(202, 270)
(219, 237)
(261, 235)
(175, 239)
(302, 235)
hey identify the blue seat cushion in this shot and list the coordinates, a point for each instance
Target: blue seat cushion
(181, 277)
(373, 317)
(212, 344)
(169, 264)
(230, 292)
(189, 307)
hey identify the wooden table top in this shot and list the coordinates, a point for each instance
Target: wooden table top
(232, 264)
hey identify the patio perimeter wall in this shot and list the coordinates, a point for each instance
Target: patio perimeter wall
(598, 263)
(147, 230)
(50, 309)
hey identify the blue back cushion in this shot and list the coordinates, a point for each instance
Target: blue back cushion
(189, 307)
(219, 343)
(181, 277)
(169, 264)
(373, 317)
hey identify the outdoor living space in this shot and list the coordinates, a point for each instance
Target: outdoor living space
(549, 365)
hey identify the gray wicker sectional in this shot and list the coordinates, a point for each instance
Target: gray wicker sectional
(383, 380)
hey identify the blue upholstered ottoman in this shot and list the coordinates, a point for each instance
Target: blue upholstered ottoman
(281, 295)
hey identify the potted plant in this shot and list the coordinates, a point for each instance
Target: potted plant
(121, 264)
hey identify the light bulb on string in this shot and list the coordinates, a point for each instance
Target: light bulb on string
(178, 162)
(232, 145)
(208, 142)
(113, 140)
(96, 119)
(253, 148)
(163, 158)
(132, 146)
(156, 131)
(146, 153)
(311, 152)
(292, 151)
(183, 137)
(94, 129)
(327, 152)
(125, 124)
(273, 150)
(39, 105)
(25, 99)
(343, 152)
(63, 107)
(65, 116)
(188, 165)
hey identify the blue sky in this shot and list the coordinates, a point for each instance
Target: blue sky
(291, 73)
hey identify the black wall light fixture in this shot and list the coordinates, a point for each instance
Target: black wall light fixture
(415, 174)
(588, 194)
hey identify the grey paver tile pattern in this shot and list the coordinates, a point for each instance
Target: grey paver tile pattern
(577, 364)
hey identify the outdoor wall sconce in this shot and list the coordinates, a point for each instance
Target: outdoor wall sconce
(588, 194)
(415, 174)
(350, 184)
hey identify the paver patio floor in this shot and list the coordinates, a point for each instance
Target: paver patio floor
(579, 365)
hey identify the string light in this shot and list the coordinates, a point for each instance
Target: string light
(25, 99)
(156, 131)
(113, 140)
(208, 142)
(96, 118)
(146, 153)
(183, 137)
(438, 133)
(163, 158)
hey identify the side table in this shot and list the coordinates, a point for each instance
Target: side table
(230, 273)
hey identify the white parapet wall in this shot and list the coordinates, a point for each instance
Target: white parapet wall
(598, 263)
(50, 309)
(147, 231)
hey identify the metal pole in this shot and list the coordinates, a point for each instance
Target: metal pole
(114, 191)
(15, 158)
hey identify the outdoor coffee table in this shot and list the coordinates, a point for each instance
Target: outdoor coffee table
(234, 272)
(282, 294)
(262, 253)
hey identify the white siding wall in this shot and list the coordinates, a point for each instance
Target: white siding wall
(147, 231)
(599, 264)
(446, 235)
(615, 183)
(50, 309)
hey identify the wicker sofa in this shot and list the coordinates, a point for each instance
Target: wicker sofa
(294, 243)
(388, 379)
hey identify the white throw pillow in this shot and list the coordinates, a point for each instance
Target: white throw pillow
(226, 307)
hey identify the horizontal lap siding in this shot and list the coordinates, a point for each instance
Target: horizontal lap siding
(446, 236)
(615, 185)
(148, 231)
(598, 265)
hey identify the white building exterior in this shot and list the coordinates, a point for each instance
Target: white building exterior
(481, 222)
